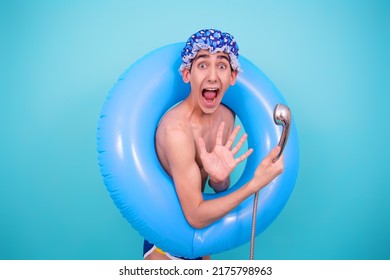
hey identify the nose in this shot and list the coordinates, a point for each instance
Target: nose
(212, 75)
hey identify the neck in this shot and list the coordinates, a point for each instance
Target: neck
(196, 114)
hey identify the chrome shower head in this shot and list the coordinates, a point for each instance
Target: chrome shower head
(282, 116)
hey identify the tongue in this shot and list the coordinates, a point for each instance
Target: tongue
(209, 95)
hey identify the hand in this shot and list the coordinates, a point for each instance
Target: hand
(221, 162)
(268, 170)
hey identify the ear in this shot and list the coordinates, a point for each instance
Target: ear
(233, 77)
(186, 74)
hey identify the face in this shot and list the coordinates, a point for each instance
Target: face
(210, 76)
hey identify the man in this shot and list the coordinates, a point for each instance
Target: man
(194, 140)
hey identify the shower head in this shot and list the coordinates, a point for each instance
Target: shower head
(282, 117)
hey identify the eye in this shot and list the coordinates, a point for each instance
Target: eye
(222, 66)
(202, 66)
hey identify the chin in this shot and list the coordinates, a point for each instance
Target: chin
(209, 108)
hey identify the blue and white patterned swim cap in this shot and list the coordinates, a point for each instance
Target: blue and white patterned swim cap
(212, 40)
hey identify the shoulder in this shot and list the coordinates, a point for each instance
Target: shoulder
(172, 136)
(173, 127)
(228, 116)
(174, 133)
(227, 110)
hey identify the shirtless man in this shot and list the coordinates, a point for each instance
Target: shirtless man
(194, 140)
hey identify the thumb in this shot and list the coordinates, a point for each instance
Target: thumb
(274, 153)
(201, 146)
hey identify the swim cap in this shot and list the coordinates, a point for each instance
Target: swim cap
(212, 40)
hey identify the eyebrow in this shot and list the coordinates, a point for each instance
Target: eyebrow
(220, 56)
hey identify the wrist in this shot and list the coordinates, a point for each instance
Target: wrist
(218, 185)
(215, 182)
(255, 185)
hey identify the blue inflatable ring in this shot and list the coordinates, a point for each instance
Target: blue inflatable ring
(141, 189)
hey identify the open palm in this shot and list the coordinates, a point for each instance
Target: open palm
(220, 162)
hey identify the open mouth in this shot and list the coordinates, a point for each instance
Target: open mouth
(210, 94)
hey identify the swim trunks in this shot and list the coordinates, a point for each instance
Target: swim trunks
(149, 248)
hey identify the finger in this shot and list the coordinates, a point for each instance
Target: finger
(201, 146)
(244, 156)
(274, 153)
(232, 137)
(220, 133)
(239, 143)
(281, 158)
(279, 164)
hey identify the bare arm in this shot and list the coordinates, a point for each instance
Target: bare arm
(187, 179)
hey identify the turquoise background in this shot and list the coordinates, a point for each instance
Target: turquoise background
(59, 59)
